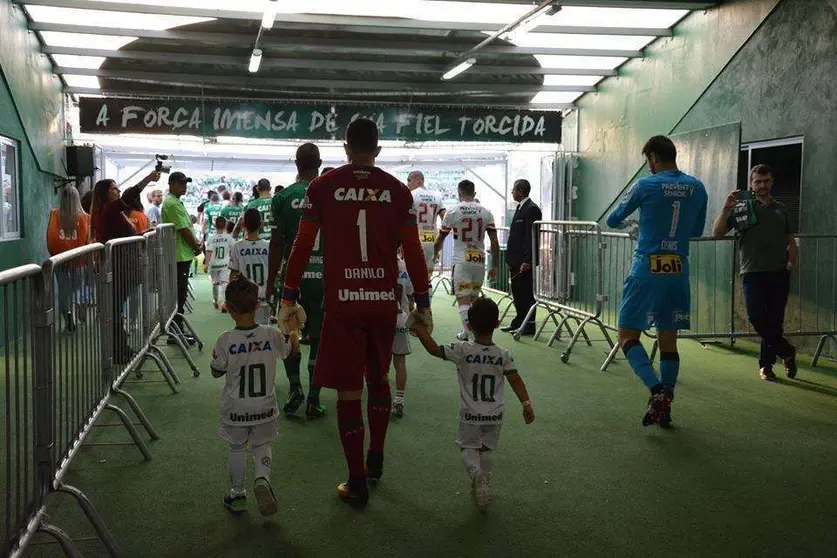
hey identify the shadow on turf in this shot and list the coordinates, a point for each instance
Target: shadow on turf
(808, 386)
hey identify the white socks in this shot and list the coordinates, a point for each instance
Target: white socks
(218, 292)
(487, 461)
(399, 397)
(237, 465)
(463, 317)
(261, 460)
(471, 457)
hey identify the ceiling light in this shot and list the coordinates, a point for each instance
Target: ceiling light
(459, 68)
(269, 16)
(530, 23)
(255, 60)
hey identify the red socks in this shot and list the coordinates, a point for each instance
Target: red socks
(378, 409)
(350, 424)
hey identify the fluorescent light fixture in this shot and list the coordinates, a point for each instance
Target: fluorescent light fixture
(269, 17)
(550, 97)
(459, 68)
(73, 80)
(255, 60)
(529, 24)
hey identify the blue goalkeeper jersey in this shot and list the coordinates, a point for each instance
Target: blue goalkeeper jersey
(672, 209)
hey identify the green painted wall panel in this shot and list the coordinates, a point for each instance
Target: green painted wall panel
(652, 94)
(31, 112)
(35, 90)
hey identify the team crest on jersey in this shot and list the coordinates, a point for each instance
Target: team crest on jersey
(363, 195)
(251, 347)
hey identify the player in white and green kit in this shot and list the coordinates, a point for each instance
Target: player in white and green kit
(286, 212)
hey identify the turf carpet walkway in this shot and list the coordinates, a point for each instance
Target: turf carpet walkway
(749, 469)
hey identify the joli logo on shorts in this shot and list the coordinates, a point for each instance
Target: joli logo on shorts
(666, 263)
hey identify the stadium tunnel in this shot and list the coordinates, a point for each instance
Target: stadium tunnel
(561, 93)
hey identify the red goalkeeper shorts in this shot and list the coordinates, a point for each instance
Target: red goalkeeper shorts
(354, 347)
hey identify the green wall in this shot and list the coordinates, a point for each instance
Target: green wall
(652, 94)
(31, 112)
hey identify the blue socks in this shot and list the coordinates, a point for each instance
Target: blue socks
(639, 361)
(669, 368)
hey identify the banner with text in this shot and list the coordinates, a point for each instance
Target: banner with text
(314, 121)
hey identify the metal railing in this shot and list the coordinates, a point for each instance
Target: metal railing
(74, 329)
(718, 310)
(568, 281)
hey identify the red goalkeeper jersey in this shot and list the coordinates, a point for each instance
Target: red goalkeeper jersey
(361, 212)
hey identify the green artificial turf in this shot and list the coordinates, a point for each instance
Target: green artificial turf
(749, 469)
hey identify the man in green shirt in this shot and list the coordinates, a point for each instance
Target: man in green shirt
(233, 212)
(767, 250)
(186, 246)
(286, 211)
(263, 204)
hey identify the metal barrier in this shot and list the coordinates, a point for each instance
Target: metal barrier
(173, 324)
(26, 423)
(568, 251)
(73, 330)
(718, 312)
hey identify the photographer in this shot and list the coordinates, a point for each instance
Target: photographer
(186, 245)
(108, 222)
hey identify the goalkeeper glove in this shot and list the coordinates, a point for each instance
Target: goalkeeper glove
(291, 317)
(420, 316)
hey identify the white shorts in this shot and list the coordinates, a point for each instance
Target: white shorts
(468, 279)
(257, 435)
(429, 252)
(219, 275)
(401, 344)
(475, 436)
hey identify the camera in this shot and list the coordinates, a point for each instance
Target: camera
(160, 166)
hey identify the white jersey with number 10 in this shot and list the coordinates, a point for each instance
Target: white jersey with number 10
(469, 221)
(249, 257)
(427, 205)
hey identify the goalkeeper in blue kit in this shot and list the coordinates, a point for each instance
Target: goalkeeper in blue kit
(672, 209)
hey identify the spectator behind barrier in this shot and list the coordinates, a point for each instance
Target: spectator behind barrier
(136, 216)
(155, 198)
(108, 223)
(68, 228)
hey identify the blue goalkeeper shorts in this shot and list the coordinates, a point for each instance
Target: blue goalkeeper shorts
(656, 295)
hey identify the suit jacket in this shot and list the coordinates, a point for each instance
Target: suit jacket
(519, 245)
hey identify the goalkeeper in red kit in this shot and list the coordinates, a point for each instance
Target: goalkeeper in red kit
(360, 214)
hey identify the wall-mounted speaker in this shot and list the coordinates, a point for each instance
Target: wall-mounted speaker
(80, 160)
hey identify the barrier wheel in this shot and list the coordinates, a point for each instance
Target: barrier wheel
(516, 337)
(565, 357)
(196, 373)
(200, 346)
(138, 374)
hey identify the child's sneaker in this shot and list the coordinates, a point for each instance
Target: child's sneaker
(236, 504)
(265, 499)
(482, 492)
(398, 411)
(658, 404)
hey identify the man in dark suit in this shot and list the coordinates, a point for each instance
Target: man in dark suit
(520, 258)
